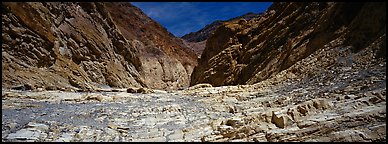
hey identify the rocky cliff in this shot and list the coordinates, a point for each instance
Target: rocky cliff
(205, 32)
(89, 46)
(197, 40)
(247, 52)
(335, 94)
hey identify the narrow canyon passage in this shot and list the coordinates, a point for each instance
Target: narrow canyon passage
(349, 107)
(88, 72)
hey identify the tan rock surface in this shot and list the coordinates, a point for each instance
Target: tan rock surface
(247, 52)
(89, 46)
(350, 106)
(335, 94)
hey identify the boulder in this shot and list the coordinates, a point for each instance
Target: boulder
(144, 90)
(281, 120)
(131, 90)
(22, 87)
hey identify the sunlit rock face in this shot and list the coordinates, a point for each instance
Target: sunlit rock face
(197, 40)
(88, 46)
(247, 52)
(337, 93)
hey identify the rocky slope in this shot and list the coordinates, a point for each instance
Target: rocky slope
(197, 40)
(89, 46)
(205, 32)
(345, 103)
(247, 52)
(335, 94)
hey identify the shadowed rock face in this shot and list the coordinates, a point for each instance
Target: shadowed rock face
(89, 45)
(247, 52)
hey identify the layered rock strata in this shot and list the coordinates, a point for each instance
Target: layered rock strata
(247, 52)
(197, 40)
(346, 103)
(89, 46)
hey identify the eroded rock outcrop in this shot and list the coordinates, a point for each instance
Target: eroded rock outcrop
(197, 40)
(88, 46)
(335, 94)
(247, 52)
(308, 102)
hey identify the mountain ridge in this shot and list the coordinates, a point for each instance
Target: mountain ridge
(197, 40)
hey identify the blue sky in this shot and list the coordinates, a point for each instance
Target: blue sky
(181, 18)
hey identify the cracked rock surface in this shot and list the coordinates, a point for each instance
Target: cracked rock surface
(336, 104)
(333, 92)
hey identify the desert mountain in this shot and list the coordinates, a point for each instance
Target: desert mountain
(89, 46)
(301, 72)
(247, 52)
(197, 40)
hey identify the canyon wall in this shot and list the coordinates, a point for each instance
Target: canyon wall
(247, 52)
(197, 40)
(88, 46)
